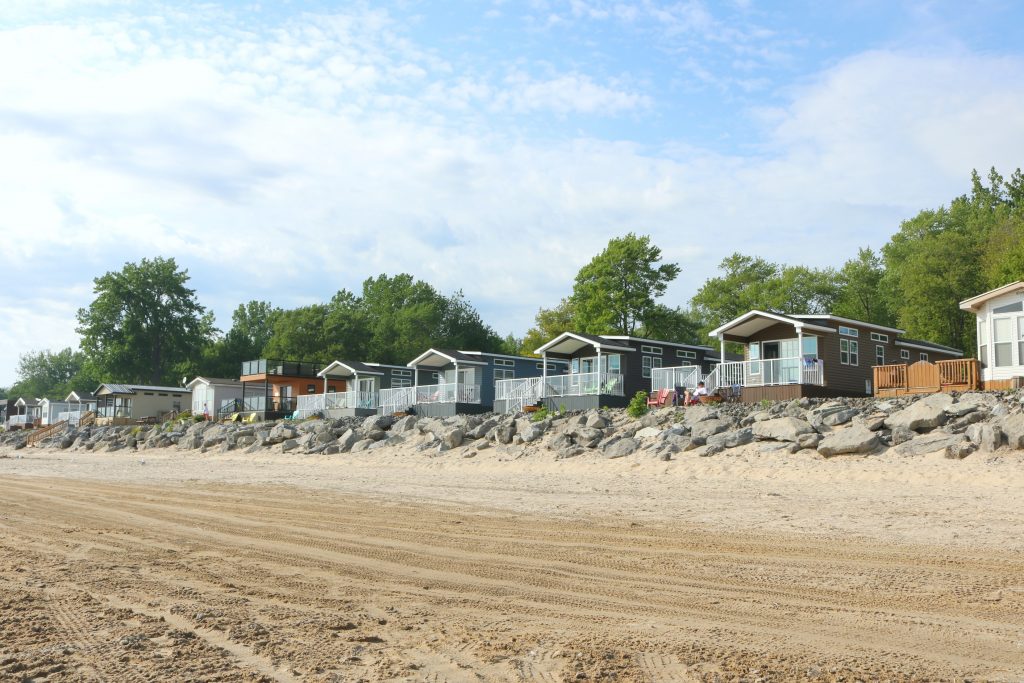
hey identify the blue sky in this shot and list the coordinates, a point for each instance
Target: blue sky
(285, 150)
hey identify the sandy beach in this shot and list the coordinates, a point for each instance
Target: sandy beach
(510, 565)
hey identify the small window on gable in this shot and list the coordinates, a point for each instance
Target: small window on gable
(849, 331)
(884, 338)
(1010, 308)
(650, 349)
(904, 354)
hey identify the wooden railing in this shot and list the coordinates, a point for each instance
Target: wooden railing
(926, 378)
(46, 432)
(88, 418)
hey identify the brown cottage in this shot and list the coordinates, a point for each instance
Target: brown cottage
(790, 356)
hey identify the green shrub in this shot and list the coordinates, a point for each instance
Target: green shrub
(638, 405)
(766, 403)
(539, 415)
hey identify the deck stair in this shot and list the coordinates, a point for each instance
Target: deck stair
(46, 432)
(88, 418)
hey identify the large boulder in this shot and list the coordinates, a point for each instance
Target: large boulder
(596, 421)
(504, 433)
(699, 413)
(782, 429)
(927, 413)
(621, 448)
(588, 437)
(1013, 427)
(404, 424)
(347, 440)
(855, 439)
(952, 445)
(731, 439)
(282, 431)
(647, 433)
(480, 430)
(705, 428)
(986, 437)
(453, 438)
(839, 417)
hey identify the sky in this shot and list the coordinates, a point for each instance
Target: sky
(285, 150)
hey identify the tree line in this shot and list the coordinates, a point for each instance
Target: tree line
(146, 324)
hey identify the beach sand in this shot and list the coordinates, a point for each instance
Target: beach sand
(509, 565)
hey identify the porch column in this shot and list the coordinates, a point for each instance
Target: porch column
(544, 374)
(415, 383)
(800, 354)
(355, 378)
(456, 381)
(325, 386)
(721, 352)
(599, 383)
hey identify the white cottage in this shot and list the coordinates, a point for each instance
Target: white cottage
(1000, 314)
(212, 394)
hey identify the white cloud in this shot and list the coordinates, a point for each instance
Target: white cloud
(288, 166)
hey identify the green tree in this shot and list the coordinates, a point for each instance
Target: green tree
(616, 291)
(252, 325)
(52, 375)
(672, 324)
(144, 323)
(861, 292)
(300, 334)
(548, 324)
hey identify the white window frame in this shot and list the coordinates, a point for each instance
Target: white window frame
(503, 373)
(401, 373)
(923, 356)
(879, 354)
(683, 353)
(400, 382)
(852, 352)
(849, 331)
(648, 363)
(504, 362)
(904, 354)
(879, 337)
(657, 350)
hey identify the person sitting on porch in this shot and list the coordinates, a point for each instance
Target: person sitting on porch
(694, 397)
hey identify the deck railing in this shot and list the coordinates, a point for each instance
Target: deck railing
(584, 384)
(72, 417)
(398, 399)
(19, 420)
(685, 376)
(962, 374)
(519, 393)
(768, 372)
(317, 403)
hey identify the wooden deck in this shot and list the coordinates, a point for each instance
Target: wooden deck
(926, 378)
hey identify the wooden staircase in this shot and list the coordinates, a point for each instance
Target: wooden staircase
(87, 419)
(39, 434)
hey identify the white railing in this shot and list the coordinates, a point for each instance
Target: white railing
(19, 420)
(397, 399)
(685, 376)
(309, 404)
(518, 393)
(770, 372)
(72, 417)
(449, 392)
(584, 384)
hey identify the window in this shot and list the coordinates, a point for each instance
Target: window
(848, 352)
(879, 355)
(1003, 346)
(983, 342)
(310, 388)
(754, 353)
(613, 363)
(810, 347)
(686, 354)
(402, 373)
(551, 366)
(849, 331)
(575, 366)
(159, 394)
(650, 349)
(1020, 340)
(1010, 308)
(502, 373)
(505, 362)
(648, 363)
(904, 354)
(875, 336)
(923, 356)
(332, 389)
(147, 393)
(399, 382)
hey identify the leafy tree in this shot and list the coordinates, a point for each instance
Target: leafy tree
(52, 375)
(512, 345)
(672, 324)
(861, 292)
(252, 326)
(616, 291)
(742, 286)
(144, 323)
(548, 324)
(463, 328)
(300, 334)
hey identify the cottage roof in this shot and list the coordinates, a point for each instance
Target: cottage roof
(976, 302)
(571, 342)
(80, 396)
(129, 389)
(438, 358)
(928, 346)
(220, 381)
(657, 341)
(754, 321)
(849, 321)
(348, 368)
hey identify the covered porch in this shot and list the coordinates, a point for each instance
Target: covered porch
(356, 392)
(113, 408)
(457, 391)
(781, 358)
(23, 414)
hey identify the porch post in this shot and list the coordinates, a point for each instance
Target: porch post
(599, 384)
(415, 383)
(456, 381)
(800, 354)
(544, 374)
(721, 352)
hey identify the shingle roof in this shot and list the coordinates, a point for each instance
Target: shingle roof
(132, 388)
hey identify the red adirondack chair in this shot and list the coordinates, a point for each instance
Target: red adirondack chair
(660, 399)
